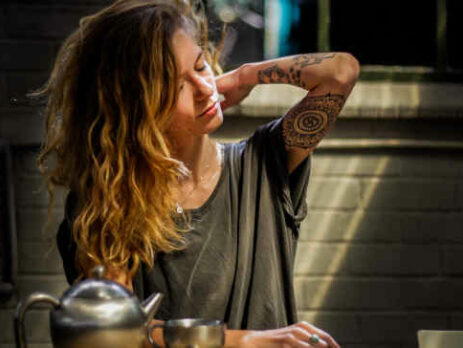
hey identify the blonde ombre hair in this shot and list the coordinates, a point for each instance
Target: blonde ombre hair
(110, 98)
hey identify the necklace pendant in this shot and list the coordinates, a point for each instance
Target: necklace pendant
(179, 209)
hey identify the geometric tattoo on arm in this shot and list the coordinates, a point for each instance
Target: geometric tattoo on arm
(307, 122)
(275, 74)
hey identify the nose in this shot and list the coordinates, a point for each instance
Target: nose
(204, 87)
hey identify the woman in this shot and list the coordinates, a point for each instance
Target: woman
(132, 100)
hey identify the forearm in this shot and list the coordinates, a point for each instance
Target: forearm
(329, 79)
(233, 338)
(308, 71)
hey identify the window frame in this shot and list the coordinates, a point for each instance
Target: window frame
(442, 73)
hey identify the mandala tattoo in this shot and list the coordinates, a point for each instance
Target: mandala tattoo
(275, 74)
(309, 120)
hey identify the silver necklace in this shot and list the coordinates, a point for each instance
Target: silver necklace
(219, 152)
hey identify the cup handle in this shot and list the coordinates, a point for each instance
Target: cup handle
(36, 297)
(150, 333)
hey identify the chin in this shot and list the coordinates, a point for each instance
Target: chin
(215, 122)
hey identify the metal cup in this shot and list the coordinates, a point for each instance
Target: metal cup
(192, 333)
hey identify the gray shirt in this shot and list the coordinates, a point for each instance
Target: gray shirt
(238, 263)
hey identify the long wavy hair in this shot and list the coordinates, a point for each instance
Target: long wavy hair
(109, 101)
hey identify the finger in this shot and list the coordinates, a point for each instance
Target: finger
(322, 334)
(220, 84)
(223, 82)
(290, 340)
(321, 343)
(305, 338)
(224, 105)
(300, 333)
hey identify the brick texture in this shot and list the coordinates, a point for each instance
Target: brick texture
(52, 284)
(377, 293)
(356, 165)
(2, 23)
(56, 22)
(31, 192)
(344, 327)
(452, 259)
(19, 84)
(381, 227)
(317, 259)
(3, 90)
(442, 225)
(21, 126)
(32, 345)
(443, 165)
(370, 277)
(31, 222)
(456, 321)
(408, 194)
(25, 161)
(459, 195)
(39, 258)
(334, 193)
(369, 345)
(17, 55)
(343, 294)
(36, 324)
(6, 333)
(397, 328)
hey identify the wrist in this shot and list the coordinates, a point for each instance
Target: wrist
(247, 75)
(234, 338)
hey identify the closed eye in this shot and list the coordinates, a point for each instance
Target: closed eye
(205, 65)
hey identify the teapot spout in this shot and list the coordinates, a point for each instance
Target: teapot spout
(151, 304)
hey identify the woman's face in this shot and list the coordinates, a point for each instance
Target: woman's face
(198, 109)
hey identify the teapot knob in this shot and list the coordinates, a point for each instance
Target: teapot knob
(98, 272)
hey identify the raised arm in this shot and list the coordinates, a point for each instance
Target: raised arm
(328, 79)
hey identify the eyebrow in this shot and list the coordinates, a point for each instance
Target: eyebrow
(199, 55)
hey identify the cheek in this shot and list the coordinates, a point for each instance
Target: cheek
(182, 118)
(184, 109)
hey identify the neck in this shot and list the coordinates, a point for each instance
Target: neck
(198, 154)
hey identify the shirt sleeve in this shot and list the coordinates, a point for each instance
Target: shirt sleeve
(291, 188)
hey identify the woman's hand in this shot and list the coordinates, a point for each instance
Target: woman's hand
(233, 88)
(297, 335)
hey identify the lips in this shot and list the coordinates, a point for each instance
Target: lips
(210, 107)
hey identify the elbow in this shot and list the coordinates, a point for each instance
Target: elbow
(347, 70)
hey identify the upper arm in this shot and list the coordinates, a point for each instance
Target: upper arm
(307, 122)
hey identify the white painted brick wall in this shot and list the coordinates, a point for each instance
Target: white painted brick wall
(374, 273)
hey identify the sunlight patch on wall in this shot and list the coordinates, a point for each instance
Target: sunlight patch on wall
(317, 297)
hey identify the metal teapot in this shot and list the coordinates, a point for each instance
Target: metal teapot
(93, 313)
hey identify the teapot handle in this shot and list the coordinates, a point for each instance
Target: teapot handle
(21, 309)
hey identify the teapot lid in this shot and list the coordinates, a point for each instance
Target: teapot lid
(99, 303)
(98, 288)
